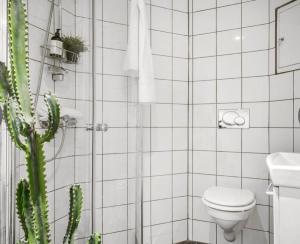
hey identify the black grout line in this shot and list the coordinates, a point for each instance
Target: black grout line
(190, 55)
(127, 158)
(150, 118)
(241, 105)
(172, 137)
(231, 29)
(216, 87)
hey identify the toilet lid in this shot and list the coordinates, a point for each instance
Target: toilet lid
(230, 197)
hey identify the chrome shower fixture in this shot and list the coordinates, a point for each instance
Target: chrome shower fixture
(65, 121)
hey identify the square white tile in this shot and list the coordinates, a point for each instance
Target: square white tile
(255, 12)
(204, 68)
(204, 139)
(161, 211)
(161, 163)
(180, 5)
(161, 19)
(180, 46)
(180, 23)
(255, 140)
(204, 45)
(255, 38)
(206, 21)
(229, 91)
(229, 140)
(229, 17)
(229, 42)
(204, 115)
(281, 86)
(114, 35)
(115, 11)
(162, 67)
(229, 66)
(180, 69)
(161, 115)
(281, 140)
(255, 89)
(259, 114)
(255, 63)
(204, 92)
(254, 166)
(229, 164)
(161, 43)
(203, 4)
(281, 114)
(161, 187)
(204, 162)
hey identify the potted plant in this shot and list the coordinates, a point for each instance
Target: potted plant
(73, 46)
(20, 117)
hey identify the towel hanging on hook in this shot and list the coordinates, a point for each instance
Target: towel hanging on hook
(138, 62)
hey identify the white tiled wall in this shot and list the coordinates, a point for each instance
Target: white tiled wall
(165, 123)
(208, 55)
(232, 42)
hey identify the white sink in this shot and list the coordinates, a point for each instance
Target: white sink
(284, 169)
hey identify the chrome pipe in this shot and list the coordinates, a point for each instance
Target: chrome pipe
(44, 51)
(93, 218)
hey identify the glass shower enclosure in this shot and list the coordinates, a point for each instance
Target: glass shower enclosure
(99, 145)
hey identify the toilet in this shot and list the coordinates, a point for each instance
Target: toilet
(230, 208)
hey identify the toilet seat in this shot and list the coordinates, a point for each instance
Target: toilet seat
(229, 199)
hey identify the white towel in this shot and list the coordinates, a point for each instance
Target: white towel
(138, 62)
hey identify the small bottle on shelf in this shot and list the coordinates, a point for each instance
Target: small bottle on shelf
(56, 45)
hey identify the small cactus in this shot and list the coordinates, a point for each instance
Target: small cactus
(19, 115)
(74, 214)
(95, 239)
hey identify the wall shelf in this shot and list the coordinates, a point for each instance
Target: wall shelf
(68, 57)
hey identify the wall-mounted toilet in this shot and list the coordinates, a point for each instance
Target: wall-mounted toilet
(229, 207)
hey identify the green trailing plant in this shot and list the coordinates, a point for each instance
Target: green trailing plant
(19, 114)
(73, 45)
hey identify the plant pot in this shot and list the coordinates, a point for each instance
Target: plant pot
(71, 57)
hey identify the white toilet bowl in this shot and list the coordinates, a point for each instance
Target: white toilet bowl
(229, 207)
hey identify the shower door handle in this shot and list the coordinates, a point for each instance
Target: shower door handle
(98, 127)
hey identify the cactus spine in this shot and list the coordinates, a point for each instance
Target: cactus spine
(19, 115)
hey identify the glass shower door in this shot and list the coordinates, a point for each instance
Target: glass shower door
(116, 108)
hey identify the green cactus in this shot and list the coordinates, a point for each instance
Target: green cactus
(25, 210)
(75, 212)
(95, 239)
(19, 115)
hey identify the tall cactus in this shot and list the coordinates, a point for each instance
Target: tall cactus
(19, 115)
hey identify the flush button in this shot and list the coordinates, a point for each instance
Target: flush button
(234, 118)
(239, 121)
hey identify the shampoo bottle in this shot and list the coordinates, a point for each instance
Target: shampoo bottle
(56, 45)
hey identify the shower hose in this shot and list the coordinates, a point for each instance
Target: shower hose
(63, 128)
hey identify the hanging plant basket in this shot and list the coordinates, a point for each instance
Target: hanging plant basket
(73, 46)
